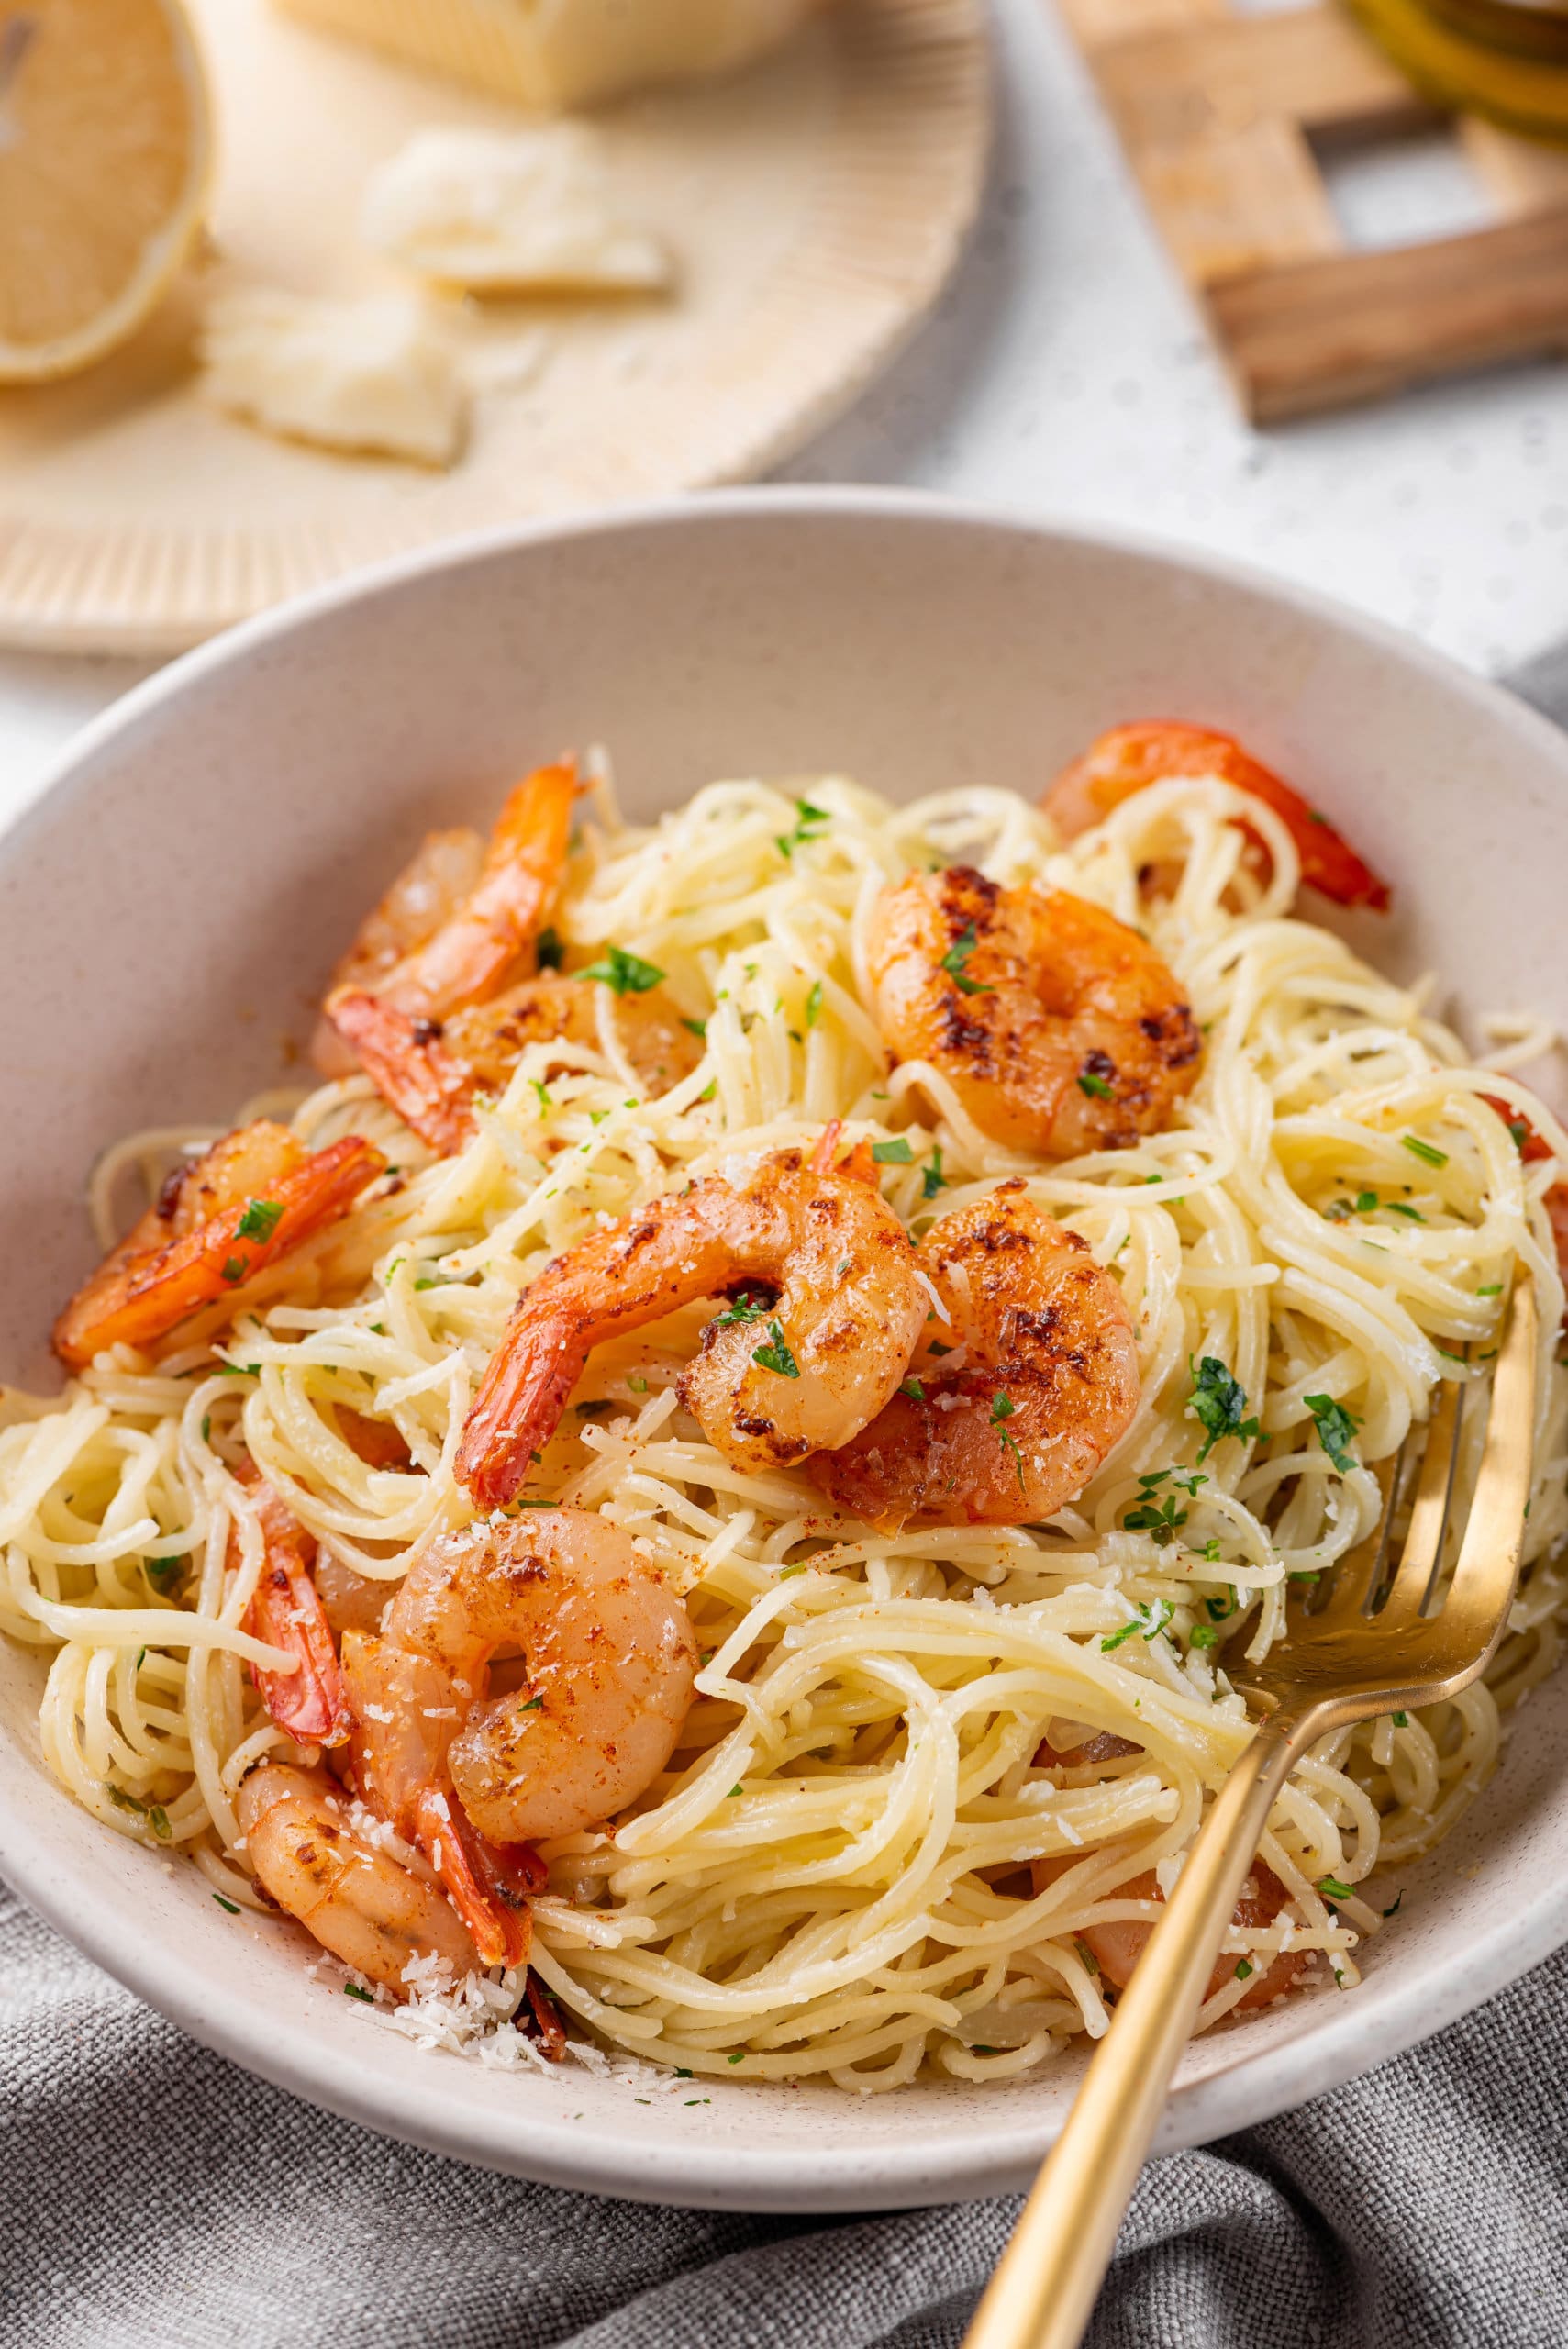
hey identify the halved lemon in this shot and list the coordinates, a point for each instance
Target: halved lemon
(105, 148)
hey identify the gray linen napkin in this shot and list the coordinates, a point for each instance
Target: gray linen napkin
(153, 2197)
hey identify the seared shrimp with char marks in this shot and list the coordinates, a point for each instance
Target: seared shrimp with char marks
(361, 1903)
(1130, 758)
(1059, 1028)
(218, 1222)
(608, 1663)
(1014, 1401)
(431, 1070)
(797, 1371)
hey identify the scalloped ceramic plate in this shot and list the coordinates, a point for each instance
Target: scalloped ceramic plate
(168, 908)
(815, 205)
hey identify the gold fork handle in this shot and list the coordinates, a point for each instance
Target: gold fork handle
(1044, 2290)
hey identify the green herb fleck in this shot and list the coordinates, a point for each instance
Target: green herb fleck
(738, 2059)
(1002, 1410)
(710, 1091)
(638, 1386)
(913, 1388)
(733, 1792)
(534, 1705)
(1493, 1288)
(1332, 1889)
(1428, 1152)
(1243, 1969)
(776, 1356)
(1411, 1215)
(545, 1098)
(141, 1659)
(1096, 1086)
(551, 952)
(814, 1003)
(163, 1571)
(957, 955)
(232, 1906)
(1204, 1636)
(1400, 1720)
(234, 1268)
(260, 1220)
(1218, 1402)
(1335, 1426)
(932, 1179)
(698, 1027)
(895, 1152)
(808, 823)
(745, 1308)
(353, 1990)
(626, 973)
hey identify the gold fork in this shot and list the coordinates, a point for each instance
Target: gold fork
(1384, 1640)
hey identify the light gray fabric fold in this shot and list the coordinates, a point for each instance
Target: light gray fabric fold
(153, 2197)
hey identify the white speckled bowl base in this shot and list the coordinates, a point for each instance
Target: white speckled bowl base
(168, 910)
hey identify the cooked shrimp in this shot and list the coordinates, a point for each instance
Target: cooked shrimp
(609, 1662)
(1129, 758)
(287, 1610)
(1059, 1028)
(1117, 1945)
(253, 1196)
(431, 1070)
(359, 1902)
(1014, 1401)
(433, 945)
(775, 1379)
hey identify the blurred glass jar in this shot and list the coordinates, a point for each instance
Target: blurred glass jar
(1504, 59)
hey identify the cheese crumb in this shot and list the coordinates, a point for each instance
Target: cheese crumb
(510, 212)
(371, 376)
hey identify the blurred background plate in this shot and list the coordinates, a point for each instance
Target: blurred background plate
(816, 207)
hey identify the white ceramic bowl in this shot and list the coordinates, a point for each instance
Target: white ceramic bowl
(172, 904)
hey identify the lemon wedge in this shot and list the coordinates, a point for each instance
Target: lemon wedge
(105, 148)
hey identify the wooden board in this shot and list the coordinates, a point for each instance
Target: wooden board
(1218, 113)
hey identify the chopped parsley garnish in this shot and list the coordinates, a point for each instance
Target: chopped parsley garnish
(162, 1570)
(1332, 1889)
(545, 1098)
(260, 1220)
(733, 1792)
(626, 973)
(1159, 1518)
(736, 2059)
(534, 1705)
(1335, 1426)
(935, 1346)
(698, 1027)
(808, 823)
(206, 1427)
(745, 1308)
(932, 1179)
(1204, 1636)
(1428, 1152)
(1493, 1288)
(1002, 1410)
(913, 1388)
(353, 1990)
(895, 1152)
(234, 1268)
(1220, 1610)
(233, 1909)
(1243, 1969)
(1400, 1720)
(957, 955)
(1147, 1622)
(551, 952)
(638, 1386)
(1092, 1083)
(814, 1003)
(1218, 1402)
(711, 1091)
(141, 1659)
(1397, 1207)
(776, 1356)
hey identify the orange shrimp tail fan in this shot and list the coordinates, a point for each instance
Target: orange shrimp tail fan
(479, 1883)
(1129, 758)
(286, 1611)
(518, 1409)
(404, 1060)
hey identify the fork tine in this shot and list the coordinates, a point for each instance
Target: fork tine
(1423, 1548)
(1494, 1533)
(1360, 1573)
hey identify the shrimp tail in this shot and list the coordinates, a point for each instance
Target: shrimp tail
(476, 1883)
(517, 1409)
(404, 1060)
(859, 1166)
(1129, 758)
(286, 1611)
(136, 1300)
(547, 2026)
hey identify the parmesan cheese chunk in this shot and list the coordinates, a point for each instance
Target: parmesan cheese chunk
(556, 54)
(507, 211)
(371, 374)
